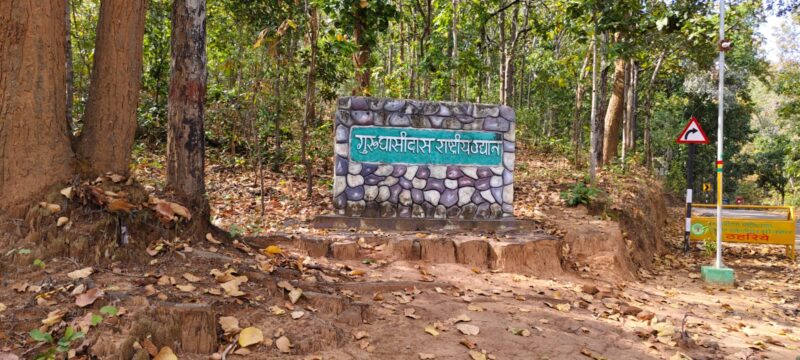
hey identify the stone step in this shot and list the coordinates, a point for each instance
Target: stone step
(529, 253)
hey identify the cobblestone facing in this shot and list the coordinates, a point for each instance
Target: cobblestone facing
(423, 191)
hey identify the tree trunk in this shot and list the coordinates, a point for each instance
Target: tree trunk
(630, 107)
(311, 83)
(614, 111)
(577, 124)
(110, 120)
(70, 80)
(601, 101)
(625, 113)
(648, 103)
(361, 56)
(187, 90)
(594, 134)
(35, 151)
(454, 54)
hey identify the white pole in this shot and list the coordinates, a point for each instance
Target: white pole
(720, 133)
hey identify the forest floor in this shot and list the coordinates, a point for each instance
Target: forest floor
(378, 308)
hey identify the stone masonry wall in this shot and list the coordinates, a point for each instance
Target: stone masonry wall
(423, 191)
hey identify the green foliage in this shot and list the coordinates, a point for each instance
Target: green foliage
(235, 230)
(109, 310)
(579, 194)
(39, 263)
(710, 247)
(61, 346)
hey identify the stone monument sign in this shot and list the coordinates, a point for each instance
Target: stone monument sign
(422, 159)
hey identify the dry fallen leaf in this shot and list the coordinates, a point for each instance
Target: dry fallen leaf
(180, 210)
(67, 192)
(283, 344)
(62, 221)
(229, 324)
(461, 318)
(277, 310)
(212, 240)
(165, 354)
(473, 307)
(3, 307)
(80, 274)
(360, 335)
(54, 317)
(564, 307)
(250, 336)
(191, 278)
(272, 250)
(297, 314)
(424, 356)
(409, 313)
(186, 288)
(430, 329)
(468, 329)
(89, 297)
(295, 294)
(477, 355)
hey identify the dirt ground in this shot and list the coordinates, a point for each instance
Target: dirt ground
(374, 307)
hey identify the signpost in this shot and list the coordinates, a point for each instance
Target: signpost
(717, 274)
(692, 135)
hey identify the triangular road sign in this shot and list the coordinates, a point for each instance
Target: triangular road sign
(693, 133)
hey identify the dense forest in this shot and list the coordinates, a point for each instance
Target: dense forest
(275, 69)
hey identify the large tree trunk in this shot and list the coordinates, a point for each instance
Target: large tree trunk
(311, 84)
(613, 117)
(187, 90)
(110, 120)
(35, 152)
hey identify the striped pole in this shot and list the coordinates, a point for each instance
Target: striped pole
(720, 133)
(689, 191)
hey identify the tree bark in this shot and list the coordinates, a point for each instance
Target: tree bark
(110, 121)
(70, 80)
(311, 83)
(614, 111)
(577, 124)
(648, 103)
(361, 55)
(35, 151)
(454, 54)
(594, 134)
(631, 107)
(187, 89)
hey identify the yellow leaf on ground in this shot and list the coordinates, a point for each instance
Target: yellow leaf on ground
(165, 354)
(430, 329)
(2, 307)
(563, 307)
(250, 336)
(273, 250)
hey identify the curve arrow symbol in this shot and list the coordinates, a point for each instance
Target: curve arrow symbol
(691, 131)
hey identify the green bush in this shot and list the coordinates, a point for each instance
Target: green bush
(579, 194)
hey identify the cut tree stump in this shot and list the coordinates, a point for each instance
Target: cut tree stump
(188, 328)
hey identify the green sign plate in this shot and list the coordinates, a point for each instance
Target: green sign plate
(405, 145)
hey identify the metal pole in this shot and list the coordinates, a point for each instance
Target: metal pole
(689, 194)
(720, 134)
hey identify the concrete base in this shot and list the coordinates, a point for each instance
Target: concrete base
(717, 276)
(423, 224)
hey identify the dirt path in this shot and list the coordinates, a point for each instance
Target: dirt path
(389, 306)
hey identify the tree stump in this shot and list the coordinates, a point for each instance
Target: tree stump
(190, 328)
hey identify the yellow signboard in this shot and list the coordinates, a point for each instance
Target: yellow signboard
(748, 230)
(706, 187)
